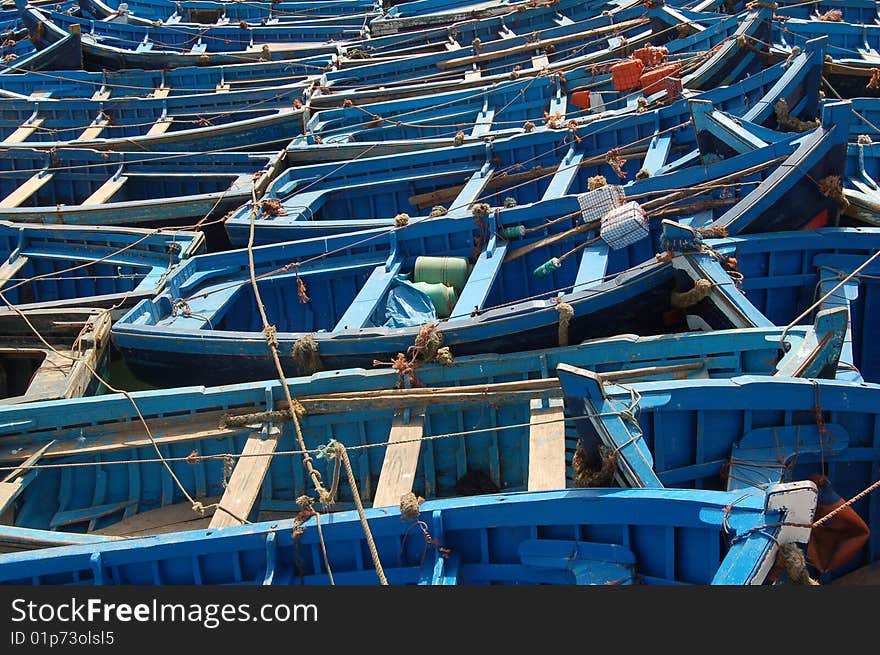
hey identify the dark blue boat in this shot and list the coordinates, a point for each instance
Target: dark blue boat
(51, 267)
(584, 536)
(86, 187)
(485, 423)
(745, 433)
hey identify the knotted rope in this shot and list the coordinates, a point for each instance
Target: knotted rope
(683, 299)
(566, 312)
(795, 564)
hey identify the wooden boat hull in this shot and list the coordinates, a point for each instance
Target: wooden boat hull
(740, 434)
(733, 551)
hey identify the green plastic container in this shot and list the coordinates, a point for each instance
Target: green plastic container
(442, 270)
(442, 297)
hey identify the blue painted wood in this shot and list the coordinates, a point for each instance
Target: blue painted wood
(159, 190)
(702, 521)
(797, 442)
(185, 420)
(64, 267)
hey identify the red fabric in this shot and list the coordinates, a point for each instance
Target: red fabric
(581, 99)
(840, 539)
(673, 87)
(652, 80)
(625, 74)
(819, 220)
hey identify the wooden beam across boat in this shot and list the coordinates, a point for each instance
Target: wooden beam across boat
(25, 190)
(546, 447)
(537, 45)
(247, 478)
(24, 132)
(106, 191)
(401, 458)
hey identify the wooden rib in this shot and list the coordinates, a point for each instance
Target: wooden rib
(23, 132)
(100, 94)
(401, 460)
(106, 191)
(25, 190)
(247, 478)
(546, 448)
(161, 92)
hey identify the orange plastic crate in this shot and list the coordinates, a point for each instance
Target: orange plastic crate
(581, 99)
(652, 81)
(626, 74)
(651, 55)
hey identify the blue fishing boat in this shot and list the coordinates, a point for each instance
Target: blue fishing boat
(583, 536)
(87, 187)
(831, 11)
(207, 12)
(860, 187)
(162, 83)
(745, 433)
(51, 354)
(64, 54)
(783, 275)
(512, 106)
(601, 40)
(53, 267)
(666, 149)
(476, 425)
(149, 124)
(505, 293)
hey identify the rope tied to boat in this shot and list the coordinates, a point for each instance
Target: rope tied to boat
(643, 174)
(410, 506)
(566, 312)
(596, 182)
(480, 210)
(459, 138)
(874, 82)
(528, 126)
(270, 333)
(792, 559)
(306, 356)
(864, 140)
(587, 475)
(228, 465)
(337, 450)
(509, 202)
(272, 207)
(683, 299)
(787, 121)
(437, 210)
(616, 162)
(401, 220)
(832, 16)
(307, 510)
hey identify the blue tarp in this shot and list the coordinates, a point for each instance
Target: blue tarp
(406, 306)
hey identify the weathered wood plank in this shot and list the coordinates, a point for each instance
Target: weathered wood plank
(159, 127)
(247, 478)
(93, 131)
(159, 521)
(22, 133)
(106, 191)
(25, 190)
(546, 448)
(401, 460)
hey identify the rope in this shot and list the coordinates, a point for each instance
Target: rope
(816, 304)
(272, 343)
(336, 449)
(852, 500)
(795, 564)
(566, 312)
(682, 299)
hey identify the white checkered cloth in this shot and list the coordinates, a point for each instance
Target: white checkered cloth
(598, 202)
(624, 225)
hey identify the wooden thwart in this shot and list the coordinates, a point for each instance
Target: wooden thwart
(401, 460)
(22, 133)
(546, 448)
(247, 478)
(106, 191)
(28, 188)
